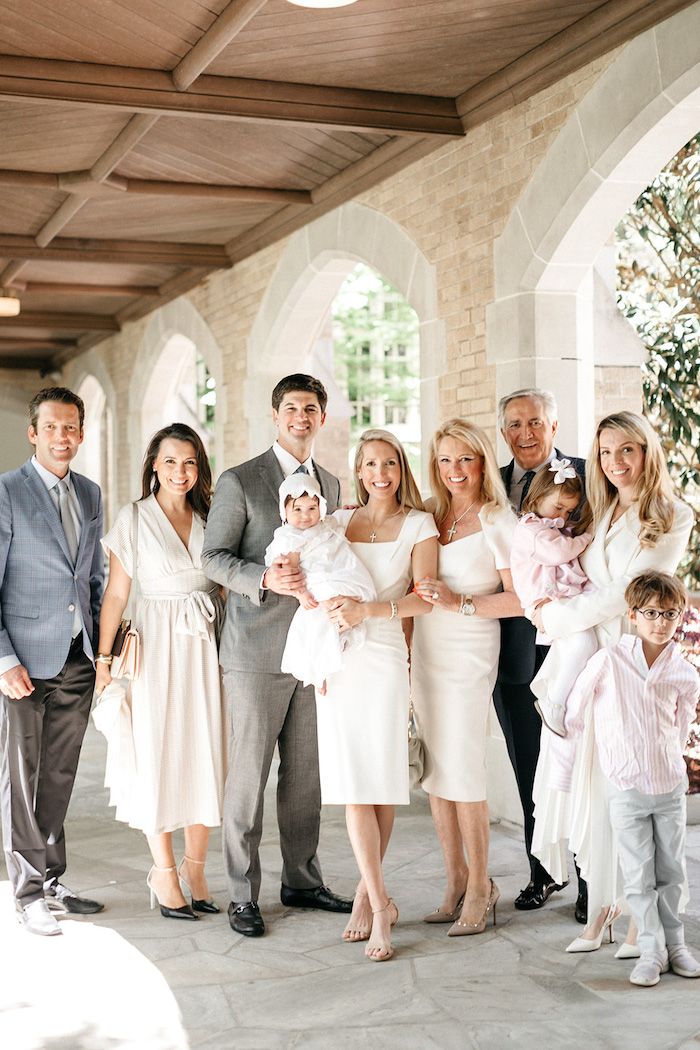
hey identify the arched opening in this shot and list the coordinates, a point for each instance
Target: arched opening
(95, 458)
(554, 321)
(184, 369)
(292, 331)
(180, 389)
(376, 361)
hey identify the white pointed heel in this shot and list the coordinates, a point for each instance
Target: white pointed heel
(583, 944)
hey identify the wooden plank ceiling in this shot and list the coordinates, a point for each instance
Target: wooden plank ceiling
(146, 143)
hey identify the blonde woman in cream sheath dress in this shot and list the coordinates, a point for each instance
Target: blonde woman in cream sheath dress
(363, 718)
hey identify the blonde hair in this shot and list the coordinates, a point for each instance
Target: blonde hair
(408, 494)
(654, 497)
(493, 491)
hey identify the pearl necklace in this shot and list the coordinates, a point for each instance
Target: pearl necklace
(452, 531)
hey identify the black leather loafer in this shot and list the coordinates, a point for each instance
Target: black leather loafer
(581, 910)
(319, 897)
(246, 919)
(59, 898)
(534, 896)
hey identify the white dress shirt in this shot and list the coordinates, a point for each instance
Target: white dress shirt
(289, 463)
(641, 714)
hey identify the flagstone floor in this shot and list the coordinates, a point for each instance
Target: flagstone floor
(130, 980)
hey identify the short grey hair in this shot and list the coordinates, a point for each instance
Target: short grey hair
(547, 400)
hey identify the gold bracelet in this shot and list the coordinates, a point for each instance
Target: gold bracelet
(394, 610)
(104, 658)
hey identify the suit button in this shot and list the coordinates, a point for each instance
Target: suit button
(71, 608)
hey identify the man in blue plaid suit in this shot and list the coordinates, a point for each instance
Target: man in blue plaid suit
(51, 580)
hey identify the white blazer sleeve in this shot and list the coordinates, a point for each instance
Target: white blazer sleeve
(564, 617)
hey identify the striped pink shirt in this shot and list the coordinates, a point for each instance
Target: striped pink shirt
(641, 714)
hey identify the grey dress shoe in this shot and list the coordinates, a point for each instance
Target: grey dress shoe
(60, 898)
(36, 918)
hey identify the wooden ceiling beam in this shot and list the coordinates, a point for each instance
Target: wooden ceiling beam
(80, 182)
(229, 98)
(28, 364)
(606, 27)
(32, 343)
(223, 30)
(87, 249)
(65, 288)
(62, 321)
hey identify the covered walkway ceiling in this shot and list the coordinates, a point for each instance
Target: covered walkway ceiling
(146, 143)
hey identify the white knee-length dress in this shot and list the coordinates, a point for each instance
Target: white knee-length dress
(454, 661)
(363, 718)
(176, 700)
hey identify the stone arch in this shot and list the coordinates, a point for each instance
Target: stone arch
(94, 384)
(180, 325)
(551, 322)
(312, 268)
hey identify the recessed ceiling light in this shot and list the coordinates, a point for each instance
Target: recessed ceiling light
(322, 3)
(9, 303)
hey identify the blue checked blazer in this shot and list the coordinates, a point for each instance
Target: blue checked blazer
(38, 583)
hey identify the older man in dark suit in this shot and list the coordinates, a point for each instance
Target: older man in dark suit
(51, 577)
(266, 707)
(528, 423)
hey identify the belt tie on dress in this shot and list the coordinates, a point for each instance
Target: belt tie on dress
(196, 615)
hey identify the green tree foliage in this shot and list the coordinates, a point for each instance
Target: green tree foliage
(376, 352)
(659, 292)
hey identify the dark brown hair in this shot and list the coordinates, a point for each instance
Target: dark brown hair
(668, 590)
(63, 395)
(199, 495)
(304, 383)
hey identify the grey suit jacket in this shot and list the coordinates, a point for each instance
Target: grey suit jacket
(243, 516)
(39, 586)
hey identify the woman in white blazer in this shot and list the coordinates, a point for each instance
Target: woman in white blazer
(638, 524)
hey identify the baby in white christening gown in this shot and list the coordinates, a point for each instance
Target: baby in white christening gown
(314, 648)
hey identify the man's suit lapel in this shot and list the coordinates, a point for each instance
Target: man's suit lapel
(47, 508)
(271, 473)
(507, 475)
(81, 491)
(325, 481)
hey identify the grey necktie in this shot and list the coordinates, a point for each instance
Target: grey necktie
(527, 481)
(67, 519)
(301, 469)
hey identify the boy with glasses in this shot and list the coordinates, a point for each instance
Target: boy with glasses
(644, 696)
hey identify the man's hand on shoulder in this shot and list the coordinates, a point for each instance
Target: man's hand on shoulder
(282, 577)
(16, 683)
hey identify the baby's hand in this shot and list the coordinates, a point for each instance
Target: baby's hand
(322, 689)
(307, 600)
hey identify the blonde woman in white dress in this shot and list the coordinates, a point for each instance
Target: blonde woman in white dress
(176, 707)
(363, 718)
(454, 661)
(638, 524)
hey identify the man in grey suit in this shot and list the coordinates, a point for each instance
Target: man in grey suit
(266, 707)
(51, 579)
(528, 423)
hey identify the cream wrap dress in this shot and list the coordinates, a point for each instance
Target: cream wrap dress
(176, 705)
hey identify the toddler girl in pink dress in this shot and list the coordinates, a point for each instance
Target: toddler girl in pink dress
(545, 566)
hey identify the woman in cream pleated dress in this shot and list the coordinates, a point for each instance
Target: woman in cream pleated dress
(638, 524)
(176, 706)
(454, 660)
(363, 718)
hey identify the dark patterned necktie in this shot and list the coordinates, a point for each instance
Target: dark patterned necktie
(301, 469)
(527, 481)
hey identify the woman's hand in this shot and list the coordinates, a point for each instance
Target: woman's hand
(345, 612)
(537, 614)
(437, 593)
(103, 676)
